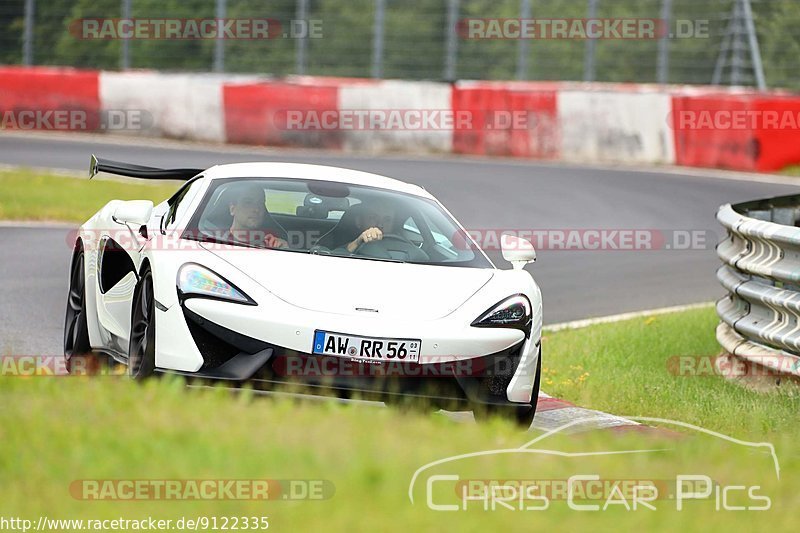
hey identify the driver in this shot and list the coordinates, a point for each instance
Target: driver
(373, 222)
(252, 222)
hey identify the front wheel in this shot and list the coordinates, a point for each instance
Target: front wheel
(142, 345)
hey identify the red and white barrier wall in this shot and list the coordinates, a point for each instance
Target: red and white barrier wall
(628, 125)
(513, 119)
(43, 90)
(181, 106)
(403, 98)
(772, 143)
(539, 120)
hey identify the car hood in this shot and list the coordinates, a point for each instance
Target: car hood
(352, 286)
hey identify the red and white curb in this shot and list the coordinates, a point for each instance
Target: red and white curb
(566, 418)
(553, 414)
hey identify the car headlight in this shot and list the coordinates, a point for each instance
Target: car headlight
(513, 312)
(198, 281)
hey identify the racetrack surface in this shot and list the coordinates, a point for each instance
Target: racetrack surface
(481, 193)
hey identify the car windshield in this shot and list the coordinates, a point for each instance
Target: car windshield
(331, 218)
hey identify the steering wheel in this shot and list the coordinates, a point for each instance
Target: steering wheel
(318, 249)
(391, 242)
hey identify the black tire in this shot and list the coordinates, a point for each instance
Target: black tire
(142, 345)
(76, 328)
(521, 414)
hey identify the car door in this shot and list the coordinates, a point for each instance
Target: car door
(119, 259)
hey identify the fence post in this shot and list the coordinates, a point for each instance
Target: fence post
(302, 42)
(755, 50)
(662, 68)
(523, 44)
(27, 36)
(125, 53)
(716, 77)
(377, 38)
(219, 44)
(589, 53)
(451, 49)
(737, 63)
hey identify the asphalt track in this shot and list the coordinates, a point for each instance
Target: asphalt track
(482, 194)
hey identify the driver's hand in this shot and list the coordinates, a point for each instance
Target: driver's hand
(271, 241)
(369, 235)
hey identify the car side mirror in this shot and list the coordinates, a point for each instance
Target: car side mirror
(519, 252)
(134, 212)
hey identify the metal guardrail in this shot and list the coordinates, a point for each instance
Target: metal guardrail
(760, 315)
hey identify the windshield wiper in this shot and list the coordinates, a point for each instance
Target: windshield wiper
(213, 240)
(384, 259)
(329, 253)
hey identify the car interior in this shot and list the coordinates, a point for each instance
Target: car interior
(326, 223)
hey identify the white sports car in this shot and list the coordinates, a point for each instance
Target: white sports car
(336, 279)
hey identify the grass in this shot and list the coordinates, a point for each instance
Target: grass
(630, 368)
(791, 170)
(31, 195)
(54, 431)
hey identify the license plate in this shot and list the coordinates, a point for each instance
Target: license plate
(367, 349)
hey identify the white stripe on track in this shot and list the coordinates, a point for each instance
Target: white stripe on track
(576, 324)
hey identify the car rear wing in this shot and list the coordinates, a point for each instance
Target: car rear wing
(138, 171)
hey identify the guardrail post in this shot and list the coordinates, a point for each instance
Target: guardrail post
(27, 36)
(589, 66)
(302, 42)
(125, 53)
(219, 44)
(377, 38)
(523, 45)
(662, 68)
(451, 48)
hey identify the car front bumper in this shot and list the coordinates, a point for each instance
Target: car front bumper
(244, 343)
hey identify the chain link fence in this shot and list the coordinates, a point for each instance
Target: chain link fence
(739, 42)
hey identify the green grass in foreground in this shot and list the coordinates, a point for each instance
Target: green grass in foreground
(57, 430)
(30, 195)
